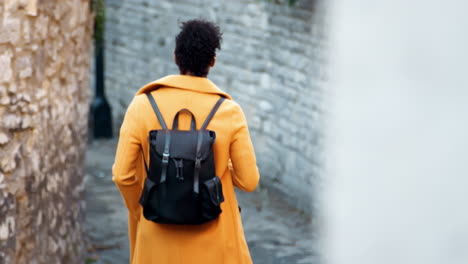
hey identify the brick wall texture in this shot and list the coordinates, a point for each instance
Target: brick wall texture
(271, 62)
(44, 70)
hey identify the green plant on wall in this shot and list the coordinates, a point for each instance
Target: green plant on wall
(98, 7)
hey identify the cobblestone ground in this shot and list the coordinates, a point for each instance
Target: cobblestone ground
(275, 232)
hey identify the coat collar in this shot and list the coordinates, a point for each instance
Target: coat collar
(186, 82)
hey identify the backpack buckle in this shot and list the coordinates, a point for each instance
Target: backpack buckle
(165, 158)
(179, 164)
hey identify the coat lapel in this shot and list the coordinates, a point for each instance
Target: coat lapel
(186, 82)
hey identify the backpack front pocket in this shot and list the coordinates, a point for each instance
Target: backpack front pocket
(211, 194)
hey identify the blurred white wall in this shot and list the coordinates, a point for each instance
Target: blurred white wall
(397, 135)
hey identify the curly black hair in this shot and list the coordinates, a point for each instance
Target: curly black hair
(196, 46)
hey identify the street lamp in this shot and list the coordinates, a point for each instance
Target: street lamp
(100, 112)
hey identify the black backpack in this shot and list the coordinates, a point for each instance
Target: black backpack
(181, 185)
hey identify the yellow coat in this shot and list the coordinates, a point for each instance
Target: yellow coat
(220, 241)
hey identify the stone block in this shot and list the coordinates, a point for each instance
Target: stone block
(26, 31)
(6, 73)
(23, 66)
(11, 30)
(4, 138)
(41, 26)
(31, 8)
(12, 5)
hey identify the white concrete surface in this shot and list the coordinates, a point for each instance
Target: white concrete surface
(397, 135)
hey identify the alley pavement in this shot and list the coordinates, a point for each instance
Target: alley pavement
(276, 232)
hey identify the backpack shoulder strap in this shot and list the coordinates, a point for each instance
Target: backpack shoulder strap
(167, 141)
(156, 110)
(212, 113)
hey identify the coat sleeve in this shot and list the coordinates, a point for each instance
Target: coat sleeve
(126, 161)
(244, 165)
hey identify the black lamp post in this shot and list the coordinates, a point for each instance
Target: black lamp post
(100, 115)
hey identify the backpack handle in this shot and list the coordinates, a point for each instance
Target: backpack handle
(175, 124)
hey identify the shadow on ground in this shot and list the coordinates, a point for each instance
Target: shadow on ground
(276, 232)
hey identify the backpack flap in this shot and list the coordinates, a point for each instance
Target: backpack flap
(183, 143)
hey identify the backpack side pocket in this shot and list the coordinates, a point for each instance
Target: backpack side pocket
(211, 194)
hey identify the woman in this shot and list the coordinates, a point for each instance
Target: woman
(218, 241)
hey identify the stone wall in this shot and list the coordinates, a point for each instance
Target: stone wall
(271, 63)
(44, 67)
